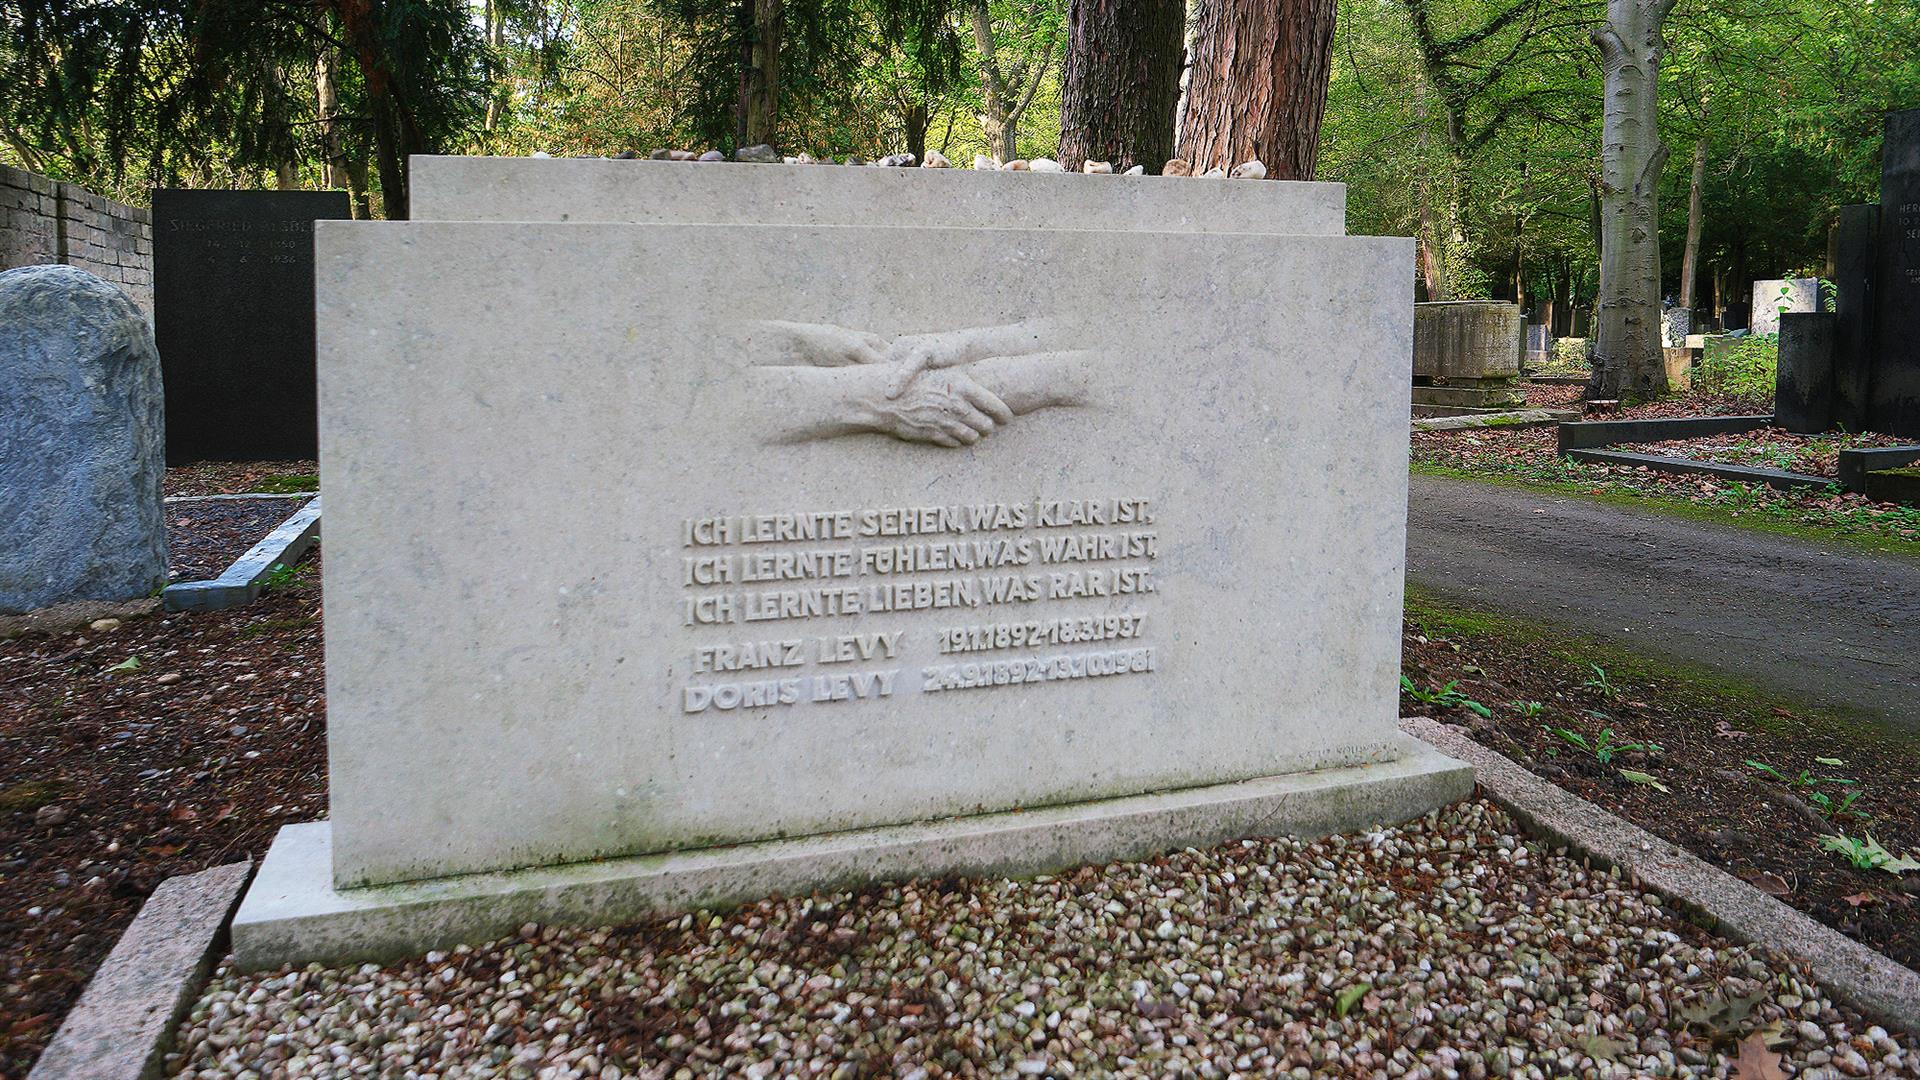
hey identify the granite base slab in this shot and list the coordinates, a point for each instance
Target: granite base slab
(293, 915)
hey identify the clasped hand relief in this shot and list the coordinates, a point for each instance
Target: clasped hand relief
(948, 388)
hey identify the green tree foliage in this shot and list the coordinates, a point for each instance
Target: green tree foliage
(1474, 124)
(124, 95)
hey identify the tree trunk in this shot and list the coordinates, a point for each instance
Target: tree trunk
(915, 121)
(356, 170)
(1627, 360)
(327, 98)
(1690, 256)
(994, 121)
(1258, 85)
(496, 44)
(760, 104)
(1122, 82)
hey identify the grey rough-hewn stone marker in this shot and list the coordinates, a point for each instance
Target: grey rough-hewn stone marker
(82, 442)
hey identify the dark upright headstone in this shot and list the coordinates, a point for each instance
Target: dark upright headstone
(1803, 392)
(1855, 248)
(1894, 398)
(233, 317)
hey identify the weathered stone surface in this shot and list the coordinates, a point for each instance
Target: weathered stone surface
(758, 154)
(1467, 339)
(82, 442)
(1217, 429)
(1775, 297)
(123, 1023)
(645, 192)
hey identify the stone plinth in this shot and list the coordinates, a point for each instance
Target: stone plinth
(81, 443)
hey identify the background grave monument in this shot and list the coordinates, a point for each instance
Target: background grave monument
(1775, 297)
(1466, 354)
(777, 557)
(81, 443)
(233, 315)
(1862, 372)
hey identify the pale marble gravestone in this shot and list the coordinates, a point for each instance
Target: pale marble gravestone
(1771, 298)
(672, 565)
(446, 188)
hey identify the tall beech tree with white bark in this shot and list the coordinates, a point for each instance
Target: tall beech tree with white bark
(1257, 86)
(1627, 361)
(1122, 82)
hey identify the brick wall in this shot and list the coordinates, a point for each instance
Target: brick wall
(45, 221)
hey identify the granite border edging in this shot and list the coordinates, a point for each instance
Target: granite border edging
(1589, 434)
(1512, 418)
(1886, 991)
(240, 583)
(1666, 463)
(125, 1020)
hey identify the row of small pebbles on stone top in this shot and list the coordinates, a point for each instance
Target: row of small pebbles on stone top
(762, 154)
(1480, 954)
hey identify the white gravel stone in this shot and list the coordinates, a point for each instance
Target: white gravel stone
(1450, 961)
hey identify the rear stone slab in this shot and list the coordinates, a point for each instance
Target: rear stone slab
(82, 443)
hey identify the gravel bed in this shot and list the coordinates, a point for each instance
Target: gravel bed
(1451, 947)
(203, 538)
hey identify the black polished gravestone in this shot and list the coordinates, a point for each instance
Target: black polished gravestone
(1856, 251)
(233, 318)
(1893, 404)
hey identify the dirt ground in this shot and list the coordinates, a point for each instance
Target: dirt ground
(167, 745)
(1698, 788)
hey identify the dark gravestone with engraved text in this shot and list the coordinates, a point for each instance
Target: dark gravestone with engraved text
(233, 318)
(1894, 403)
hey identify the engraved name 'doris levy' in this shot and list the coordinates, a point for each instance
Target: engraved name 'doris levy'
(1030, 592)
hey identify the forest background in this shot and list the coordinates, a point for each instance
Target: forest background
(1471, 124)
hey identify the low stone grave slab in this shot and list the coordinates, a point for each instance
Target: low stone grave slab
(1668, 463)
(1618, 432)
(741, 541)
(1856, 464)
(448, 188)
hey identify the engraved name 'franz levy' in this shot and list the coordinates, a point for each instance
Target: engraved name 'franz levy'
(793, 568)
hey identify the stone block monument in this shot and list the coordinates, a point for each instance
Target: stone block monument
(82, 437)
(1866, 365)
(775, 557)
(1466, 354)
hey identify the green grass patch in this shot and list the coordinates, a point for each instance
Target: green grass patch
(290, 484)
(29, 796)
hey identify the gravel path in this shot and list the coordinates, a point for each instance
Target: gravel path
(1447, 948)
(1819, 623)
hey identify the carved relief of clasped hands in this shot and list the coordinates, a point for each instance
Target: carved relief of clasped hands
(948, 388)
